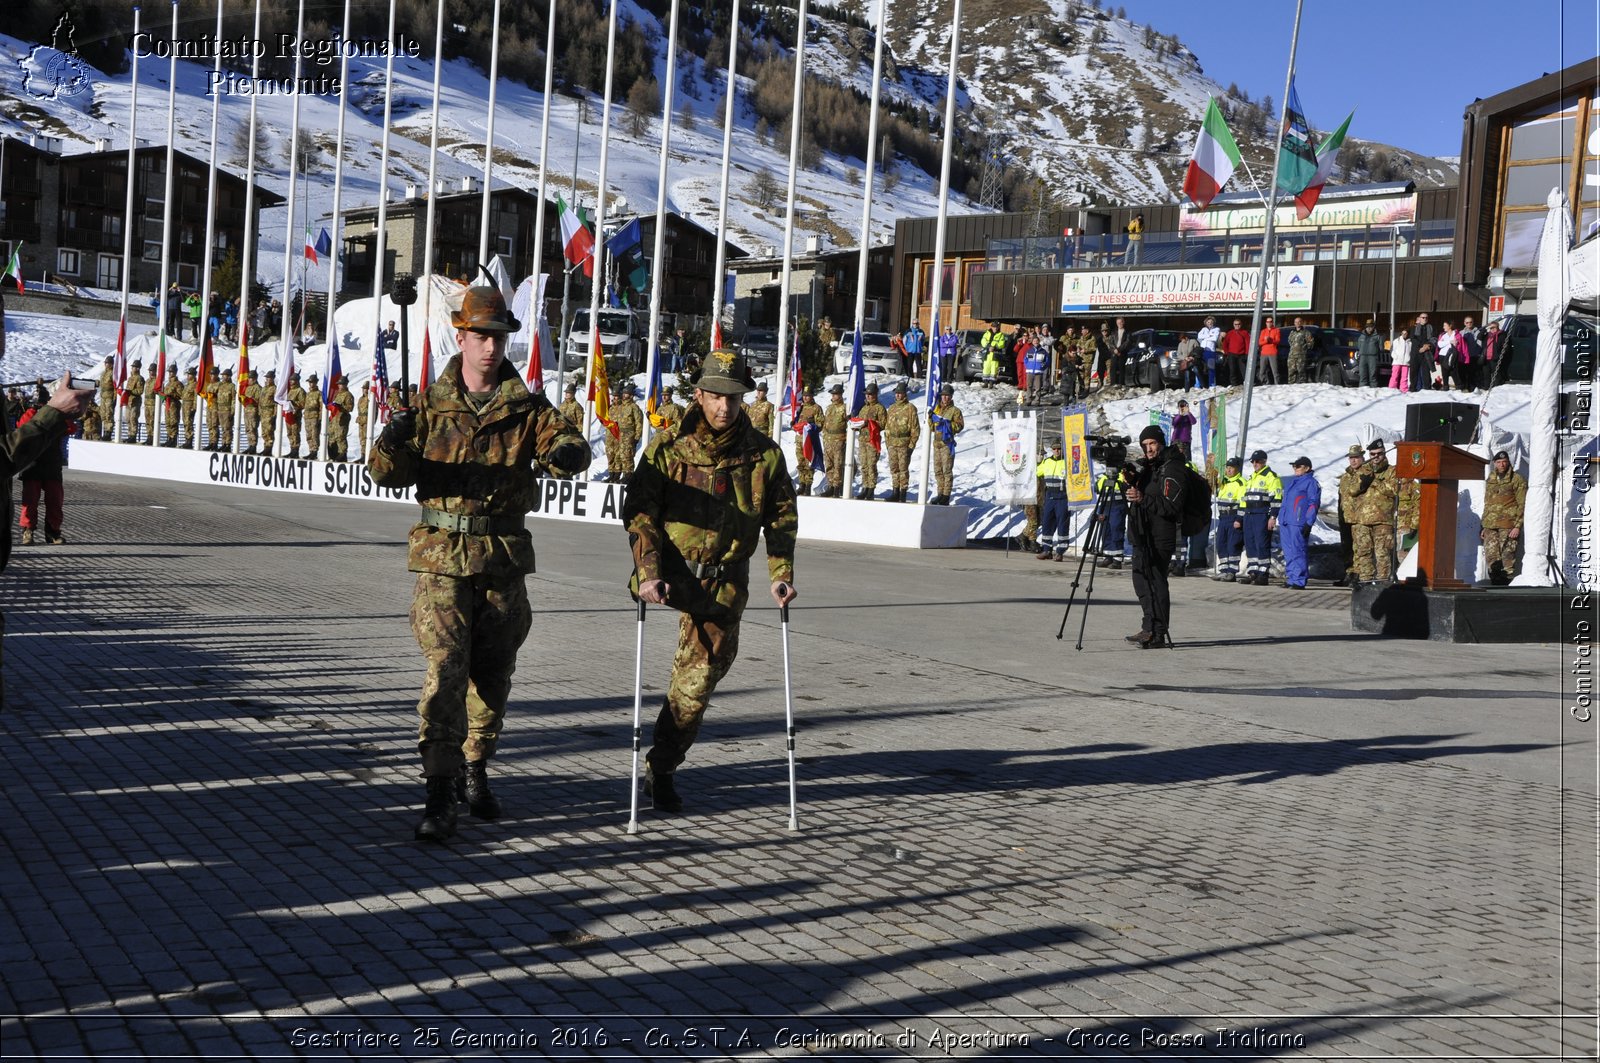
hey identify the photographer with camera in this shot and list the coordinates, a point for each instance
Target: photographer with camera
(1156, 485)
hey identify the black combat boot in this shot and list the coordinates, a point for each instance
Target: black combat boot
(439, 814)
(481, 801)
(662, 793)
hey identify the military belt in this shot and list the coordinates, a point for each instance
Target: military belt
(728, 571)
(471, 525)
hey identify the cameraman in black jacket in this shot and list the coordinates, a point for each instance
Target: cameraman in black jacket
(1155, 514)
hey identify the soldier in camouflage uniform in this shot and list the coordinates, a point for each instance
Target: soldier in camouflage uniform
(835, 423)
(810, 413)
(1349, 480)
(297, 401)
(570, 407)
(132, 400)
(172, 401)
(902, 428)
(219, 410)
(1408, 506)
(364, 418)
(1301, 341)
(621, 448)
(189, 400)
(268, 411)
(1372, 523)
(91, 422)
(669, 412)
(311, 416)
(1504, 494)
(107, 403)
(702, 494)
(151, 392)
(339, 420)
(761, 412)
(872, 412)
(250, 411)
(471, 449)
(944, 454)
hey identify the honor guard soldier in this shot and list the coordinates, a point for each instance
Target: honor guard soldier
(620, 449)
(339, 420)
(297, 401)
(902, 429)
(151, 392)
(761, 411)
(267, 405)
(311, 416)
(810, 414)
(1230, 520)
(1263, 491)
(172, 405)
(470, 450)
(835, 423)
(1349, 480)
(869, 442)
(107, 403)
(219, 411)
(364, 418)
(251, 409)
(1373, 520)
(946, 423)
(1505, 493)
(570, 407)
(190, 401)
(700, 497)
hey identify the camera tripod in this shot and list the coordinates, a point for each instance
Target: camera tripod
(1091, 548)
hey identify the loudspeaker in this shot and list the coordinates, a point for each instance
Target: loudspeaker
(1442, 422)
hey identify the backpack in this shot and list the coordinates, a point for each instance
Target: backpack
(1196, 503)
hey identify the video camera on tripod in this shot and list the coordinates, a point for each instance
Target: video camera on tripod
(1111, 452)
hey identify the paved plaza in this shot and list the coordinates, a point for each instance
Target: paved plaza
(1282, 840)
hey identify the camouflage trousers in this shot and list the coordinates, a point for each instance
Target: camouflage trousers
(803, 471)
(252, 427)
(174, 418)
(269, 431)
(150, 425)
(1500, 552)
(221, 428)
(867, 458)
(706, 650)
(1374, 551)
(619, 456)
(1030, 524)
(292, 431)
(833, 461)
(130, 423)
(313, 430)
(899, 467)
(469, 629)
(338, 442)
(944, 463)
(1297, 367)
(107, 413)
(361, 439)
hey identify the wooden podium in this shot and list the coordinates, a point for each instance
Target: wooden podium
(1439, 467)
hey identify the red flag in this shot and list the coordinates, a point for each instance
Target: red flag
(207, 366)
(244, 356)
(425, 375)
(600, 388)
(716, 336)
(119, 365)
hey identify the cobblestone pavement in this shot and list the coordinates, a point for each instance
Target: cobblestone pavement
(1282, 840)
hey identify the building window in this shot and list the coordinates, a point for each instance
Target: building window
(152, 251)
(66, 261)
(1556, 147)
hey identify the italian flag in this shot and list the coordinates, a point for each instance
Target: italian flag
(14, 266)
(1307, 199)
(576, 239)
(1215, 158)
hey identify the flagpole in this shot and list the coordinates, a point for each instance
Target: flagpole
(119, 364)
(433, 196)
(207, 366)
(652, 338)
(330, 336)
(488, 135)
(788, 219)
(939, 244)
(1267, 255)
(566, 270)
(375, 400)
(718, 280)
(538, 210)
(246, 264)
(848, 488)
(600, 219)
(168, 213)
(285, 342)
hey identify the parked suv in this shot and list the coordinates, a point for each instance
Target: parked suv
(760, 347)
(1152, 361)
(1521, 340)
(1334, 359)
(970, 366)
(877, 354)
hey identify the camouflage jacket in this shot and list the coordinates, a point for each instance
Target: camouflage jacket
(478, 463)
(630, 421)
(1349, 481)
(572, 410)
(173, 393)
(190, 397)
(364, 408)
(1503, 498)
(250, 401)
(343, 402)
(835, 419)
(685, 505)
(311, 409)
(951, 413)
(133, 387)
(1408, 506)
(1375, 494)
(297, 401)
(902, 427)
(150, 388)
(872, 411)
(760, 413)
(668, 414)
(810, 413)
(108, 384)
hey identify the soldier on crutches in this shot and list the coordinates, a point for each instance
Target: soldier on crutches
(701, 494)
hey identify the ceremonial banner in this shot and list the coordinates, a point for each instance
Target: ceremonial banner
(1015, 459)
(1075, 448)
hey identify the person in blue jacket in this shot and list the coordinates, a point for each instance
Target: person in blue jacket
(1302, 498)
(915, 342)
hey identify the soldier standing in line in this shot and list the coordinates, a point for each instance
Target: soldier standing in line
(471, 550)
(151, 392)
(869, 442)
(761, 411)
(311, 417)
(1373, 520)
(107, 400)
(189, 400)
(91, 422)
(810, 413)
(297, 400)
(1505, 493)
(902, 429)
(250, 406)
(621, 451)
(1349, 480)
(946, 423)
(219, 411)
(267, 407)
(835, 423)
(731, 481)
(668, 412)
(339, 420)
(364, 418)
(570, 407)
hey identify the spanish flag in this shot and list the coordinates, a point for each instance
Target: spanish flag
(600, 388)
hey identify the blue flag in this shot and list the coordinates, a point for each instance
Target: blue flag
(937, 423)
(855, 387)
(324, 243)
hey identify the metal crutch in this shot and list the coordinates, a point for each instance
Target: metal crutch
(638, 704)
(788, 711)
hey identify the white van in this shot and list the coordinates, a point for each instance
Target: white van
(621, 333)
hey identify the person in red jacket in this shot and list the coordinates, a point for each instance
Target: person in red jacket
(1270, 339)
(1235, 352)
(44, 477)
